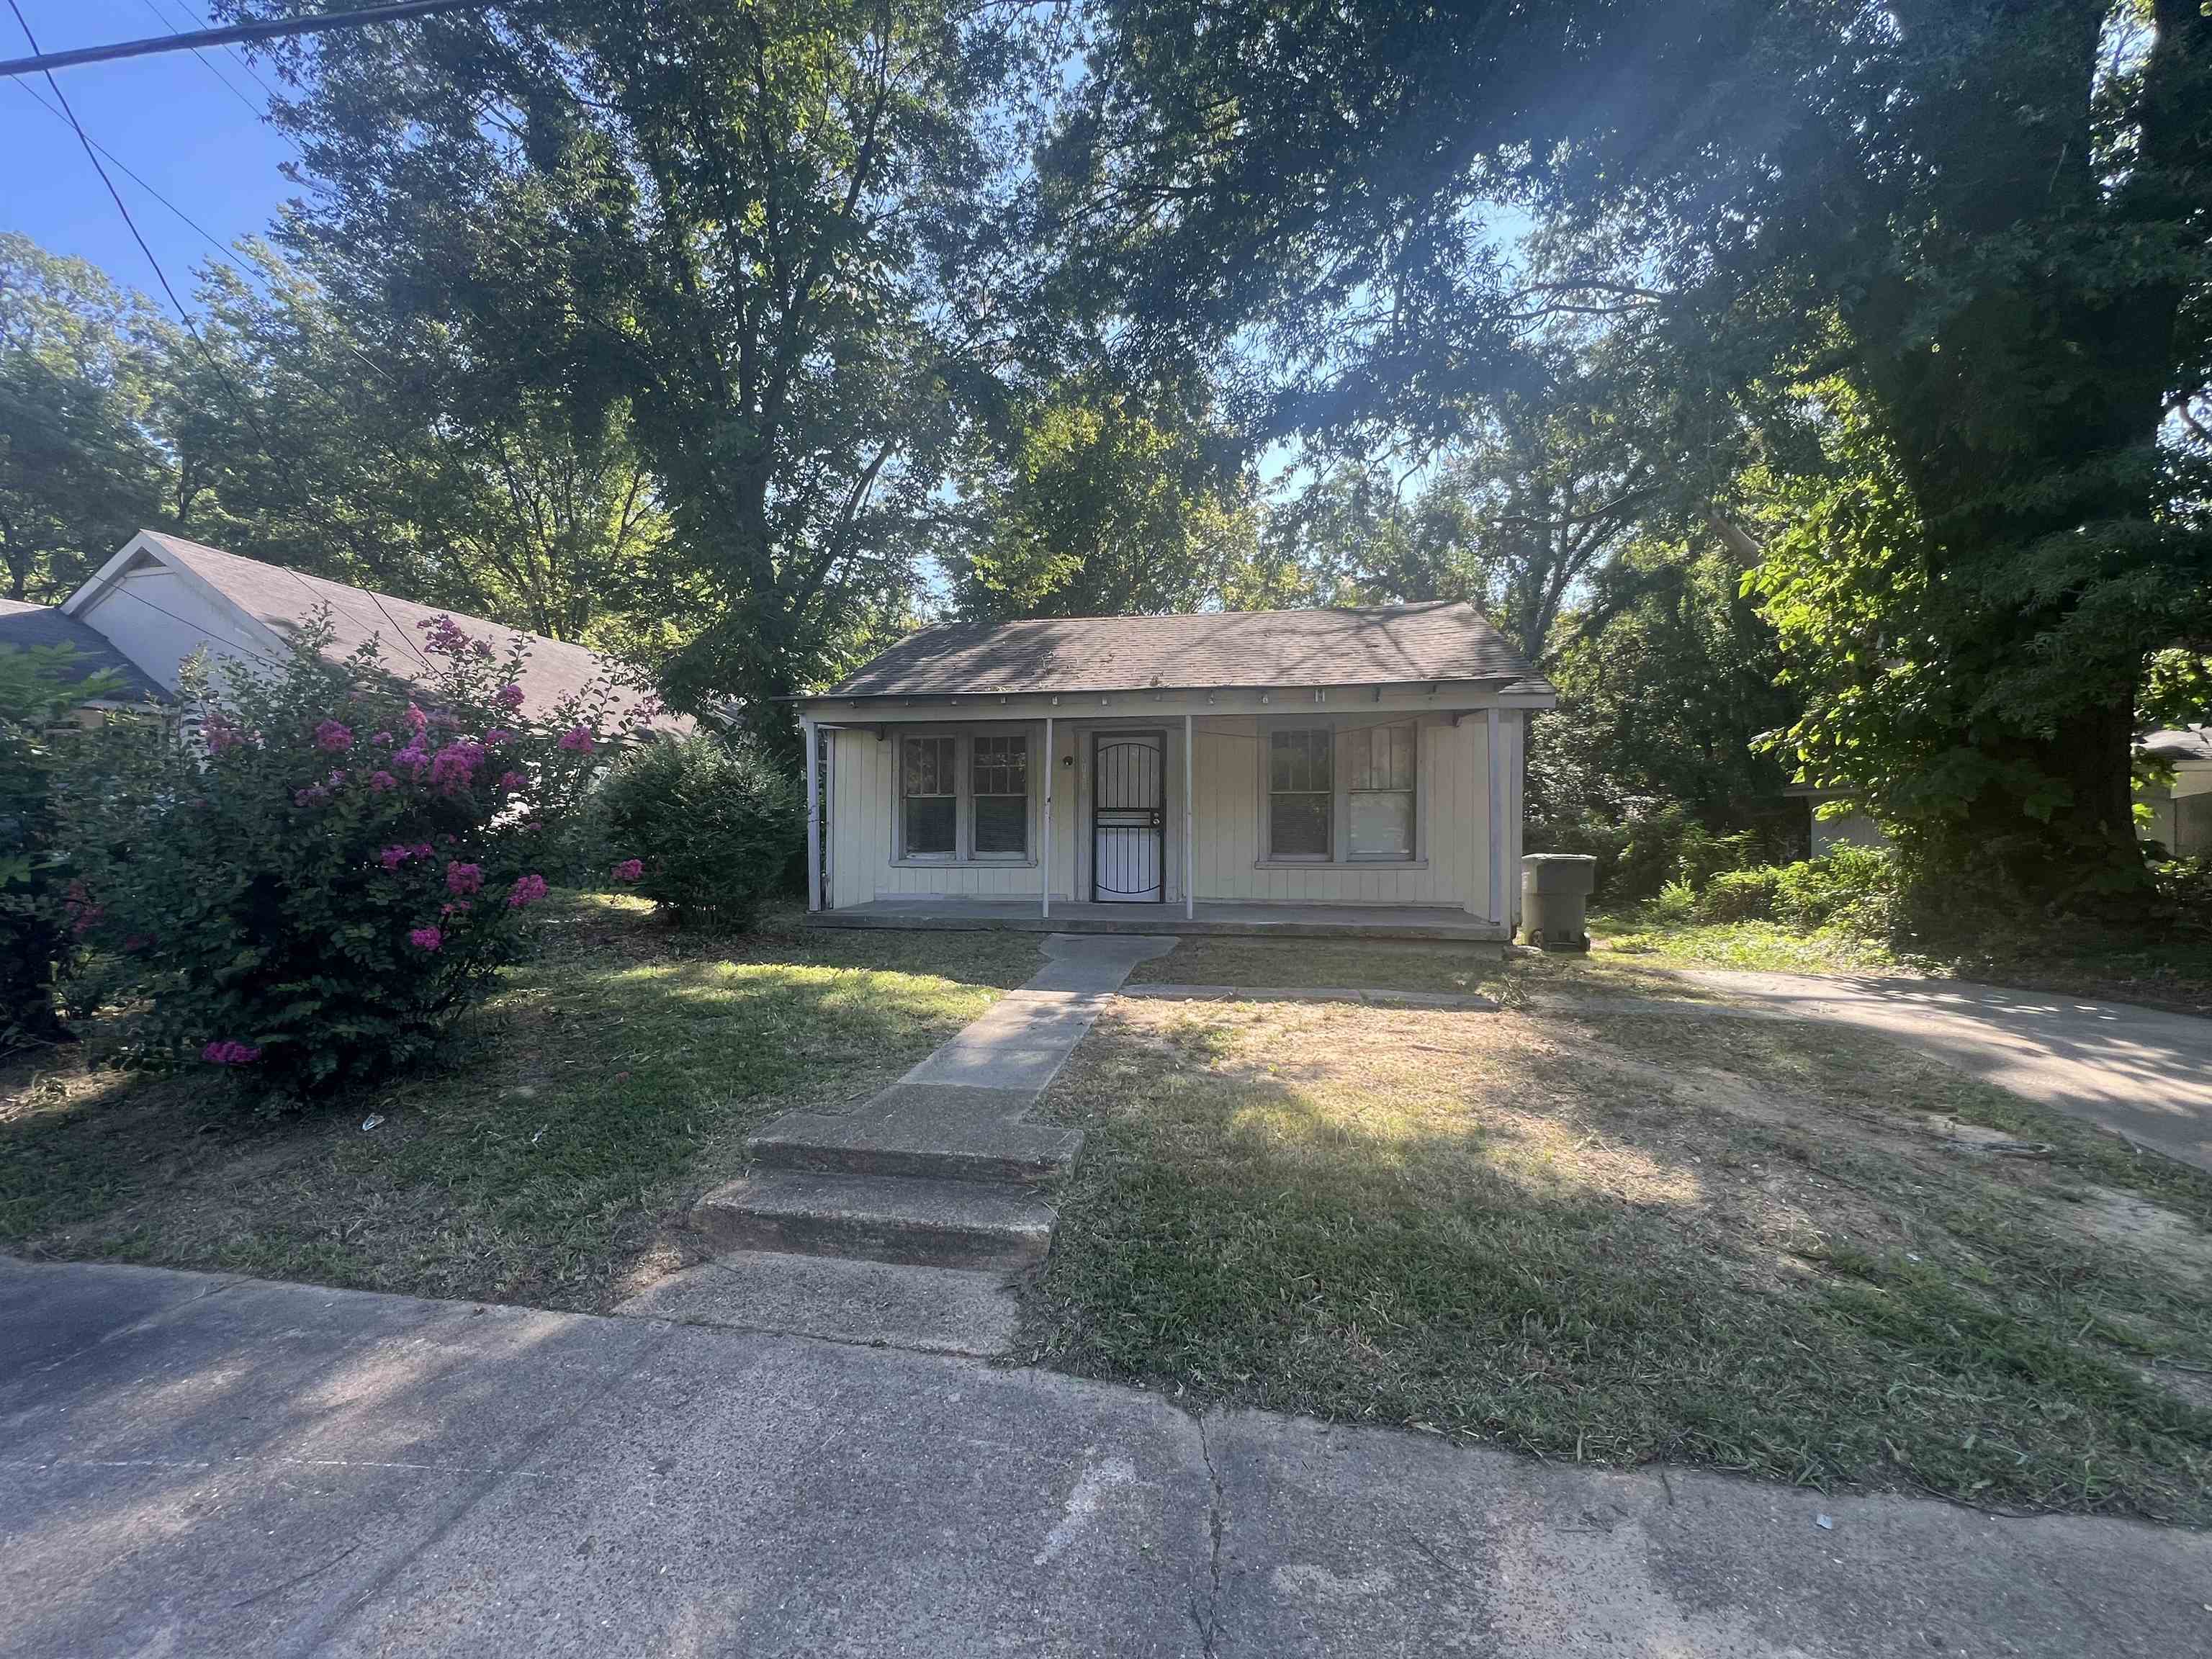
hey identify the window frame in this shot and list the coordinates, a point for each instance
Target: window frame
(963, 854)
(1328, 747)
(1339, 857)
(1410, 791)
(907, 854)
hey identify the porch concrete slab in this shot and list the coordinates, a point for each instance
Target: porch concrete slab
(937, 1309)
(1226, 918)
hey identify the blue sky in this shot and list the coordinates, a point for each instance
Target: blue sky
(166, 118)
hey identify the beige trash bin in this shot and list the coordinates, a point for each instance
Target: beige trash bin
(1555, 889)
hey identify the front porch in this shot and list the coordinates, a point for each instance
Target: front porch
(1208, 916)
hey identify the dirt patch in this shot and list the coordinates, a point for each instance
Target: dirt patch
(2129, 1219)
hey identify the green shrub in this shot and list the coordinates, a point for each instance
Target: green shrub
(1853, 887)
(313, 885)
(43, 914)
(706, 826)
(1675, 902)
(1739, 895)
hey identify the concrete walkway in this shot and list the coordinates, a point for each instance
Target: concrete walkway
(898, 1218)
(191, 1465)
(2138, 1072)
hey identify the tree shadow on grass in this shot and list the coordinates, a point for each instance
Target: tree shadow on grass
(544, 1158)
(1511, 1244)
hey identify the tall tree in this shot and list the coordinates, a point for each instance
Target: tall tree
(1991, 223)
(1106, 500)
(744, 221)
(82, 465)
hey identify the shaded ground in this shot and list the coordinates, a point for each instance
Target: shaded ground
(2162, 966)
(1604, 1232)
(611, 1080)
(250, 1469)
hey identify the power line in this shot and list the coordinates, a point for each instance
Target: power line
(233, 52)
(268, 29)
(125, 169)
(205, 62)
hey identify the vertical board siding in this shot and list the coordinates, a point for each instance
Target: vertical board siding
(1228, 807)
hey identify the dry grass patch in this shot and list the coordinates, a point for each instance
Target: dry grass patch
(1616, 1234)
(609, 1083)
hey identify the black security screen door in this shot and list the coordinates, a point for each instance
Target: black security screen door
(1128, 819)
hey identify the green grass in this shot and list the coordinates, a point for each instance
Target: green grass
(1757, 946)
(609, 1082)
(1618, 1236)
(1372, 964)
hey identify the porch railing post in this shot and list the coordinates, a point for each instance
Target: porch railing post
(1498, 872)
(1189, 817)
(1044, 862)
(807, 731)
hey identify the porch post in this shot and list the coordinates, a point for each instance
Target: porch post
(1044, 862)
(1497, 822)
(1189, 850)
(808, 730)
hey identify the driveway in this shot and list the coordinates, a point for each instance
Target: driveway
(2138, 1072)
(196, 1465)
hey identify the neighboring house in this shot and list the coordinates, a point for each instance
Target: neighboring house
(1852, 829)
(162, 597)
(1253, 771)
(2181, 812)
(26, 627)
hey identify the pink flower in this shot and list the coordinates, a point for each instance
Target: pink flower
(459, 907)
(86, 918)
(416, 718)
(338, 780)
(496, 736)
(508, 697)
(333, 739)
(464, 877)
(512, 780)
(527, 890)
(426, 938)
(382, 739)
(576, 739)
(230, 1053)
(629, 869)
(392, 857)
(312, 795)
(380, 782)
(222, 733)
(414, 759)
(449, 638)
(454, 767)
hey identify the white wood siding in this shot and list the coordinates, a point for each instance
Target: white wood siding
(1228, 808)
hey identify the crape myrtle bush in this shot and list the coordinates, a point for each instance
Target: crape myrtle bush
(707, 825)
(315, 883)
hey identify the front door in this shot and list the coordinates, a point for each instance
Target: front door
(1128, 819)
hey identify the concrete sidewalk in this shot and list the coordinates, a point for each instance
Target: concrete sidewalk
(191, 1465)
(2139, 1072)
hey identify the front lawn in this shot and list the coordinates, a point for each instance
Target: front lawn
(609, 1082)
(1627, 1232)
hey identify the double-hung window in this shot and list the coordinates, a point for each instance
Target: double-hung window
(999, 770)
(1342, 794)
(929, 780)
(1378, 782)
(963, 796)
(1301, 794)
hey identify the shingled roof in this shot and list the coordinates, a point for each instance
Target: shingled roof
(27, 626)
(1381, 645)
(283, 600)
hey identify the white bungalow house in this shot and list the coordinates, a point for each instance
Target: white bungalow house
(1254, 771)
(161, 598)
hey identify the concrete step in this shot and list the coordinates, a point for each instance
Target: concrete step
(949, 1223)
(934, 1132)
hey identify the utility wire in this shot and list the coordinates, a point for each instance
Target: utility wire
(206, 63)
(233, 52)
(268, 29)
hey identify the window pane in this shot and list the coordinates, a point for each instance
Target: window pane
(1001, 766)
(1002, 823)
(1298, 760)
(1382, 824)
(928, 768)
(929, 820)
(1297, 825)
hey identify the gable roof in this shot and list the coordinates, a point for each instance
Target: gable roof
(282, 600)
(1437, 641)
(27, 626)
